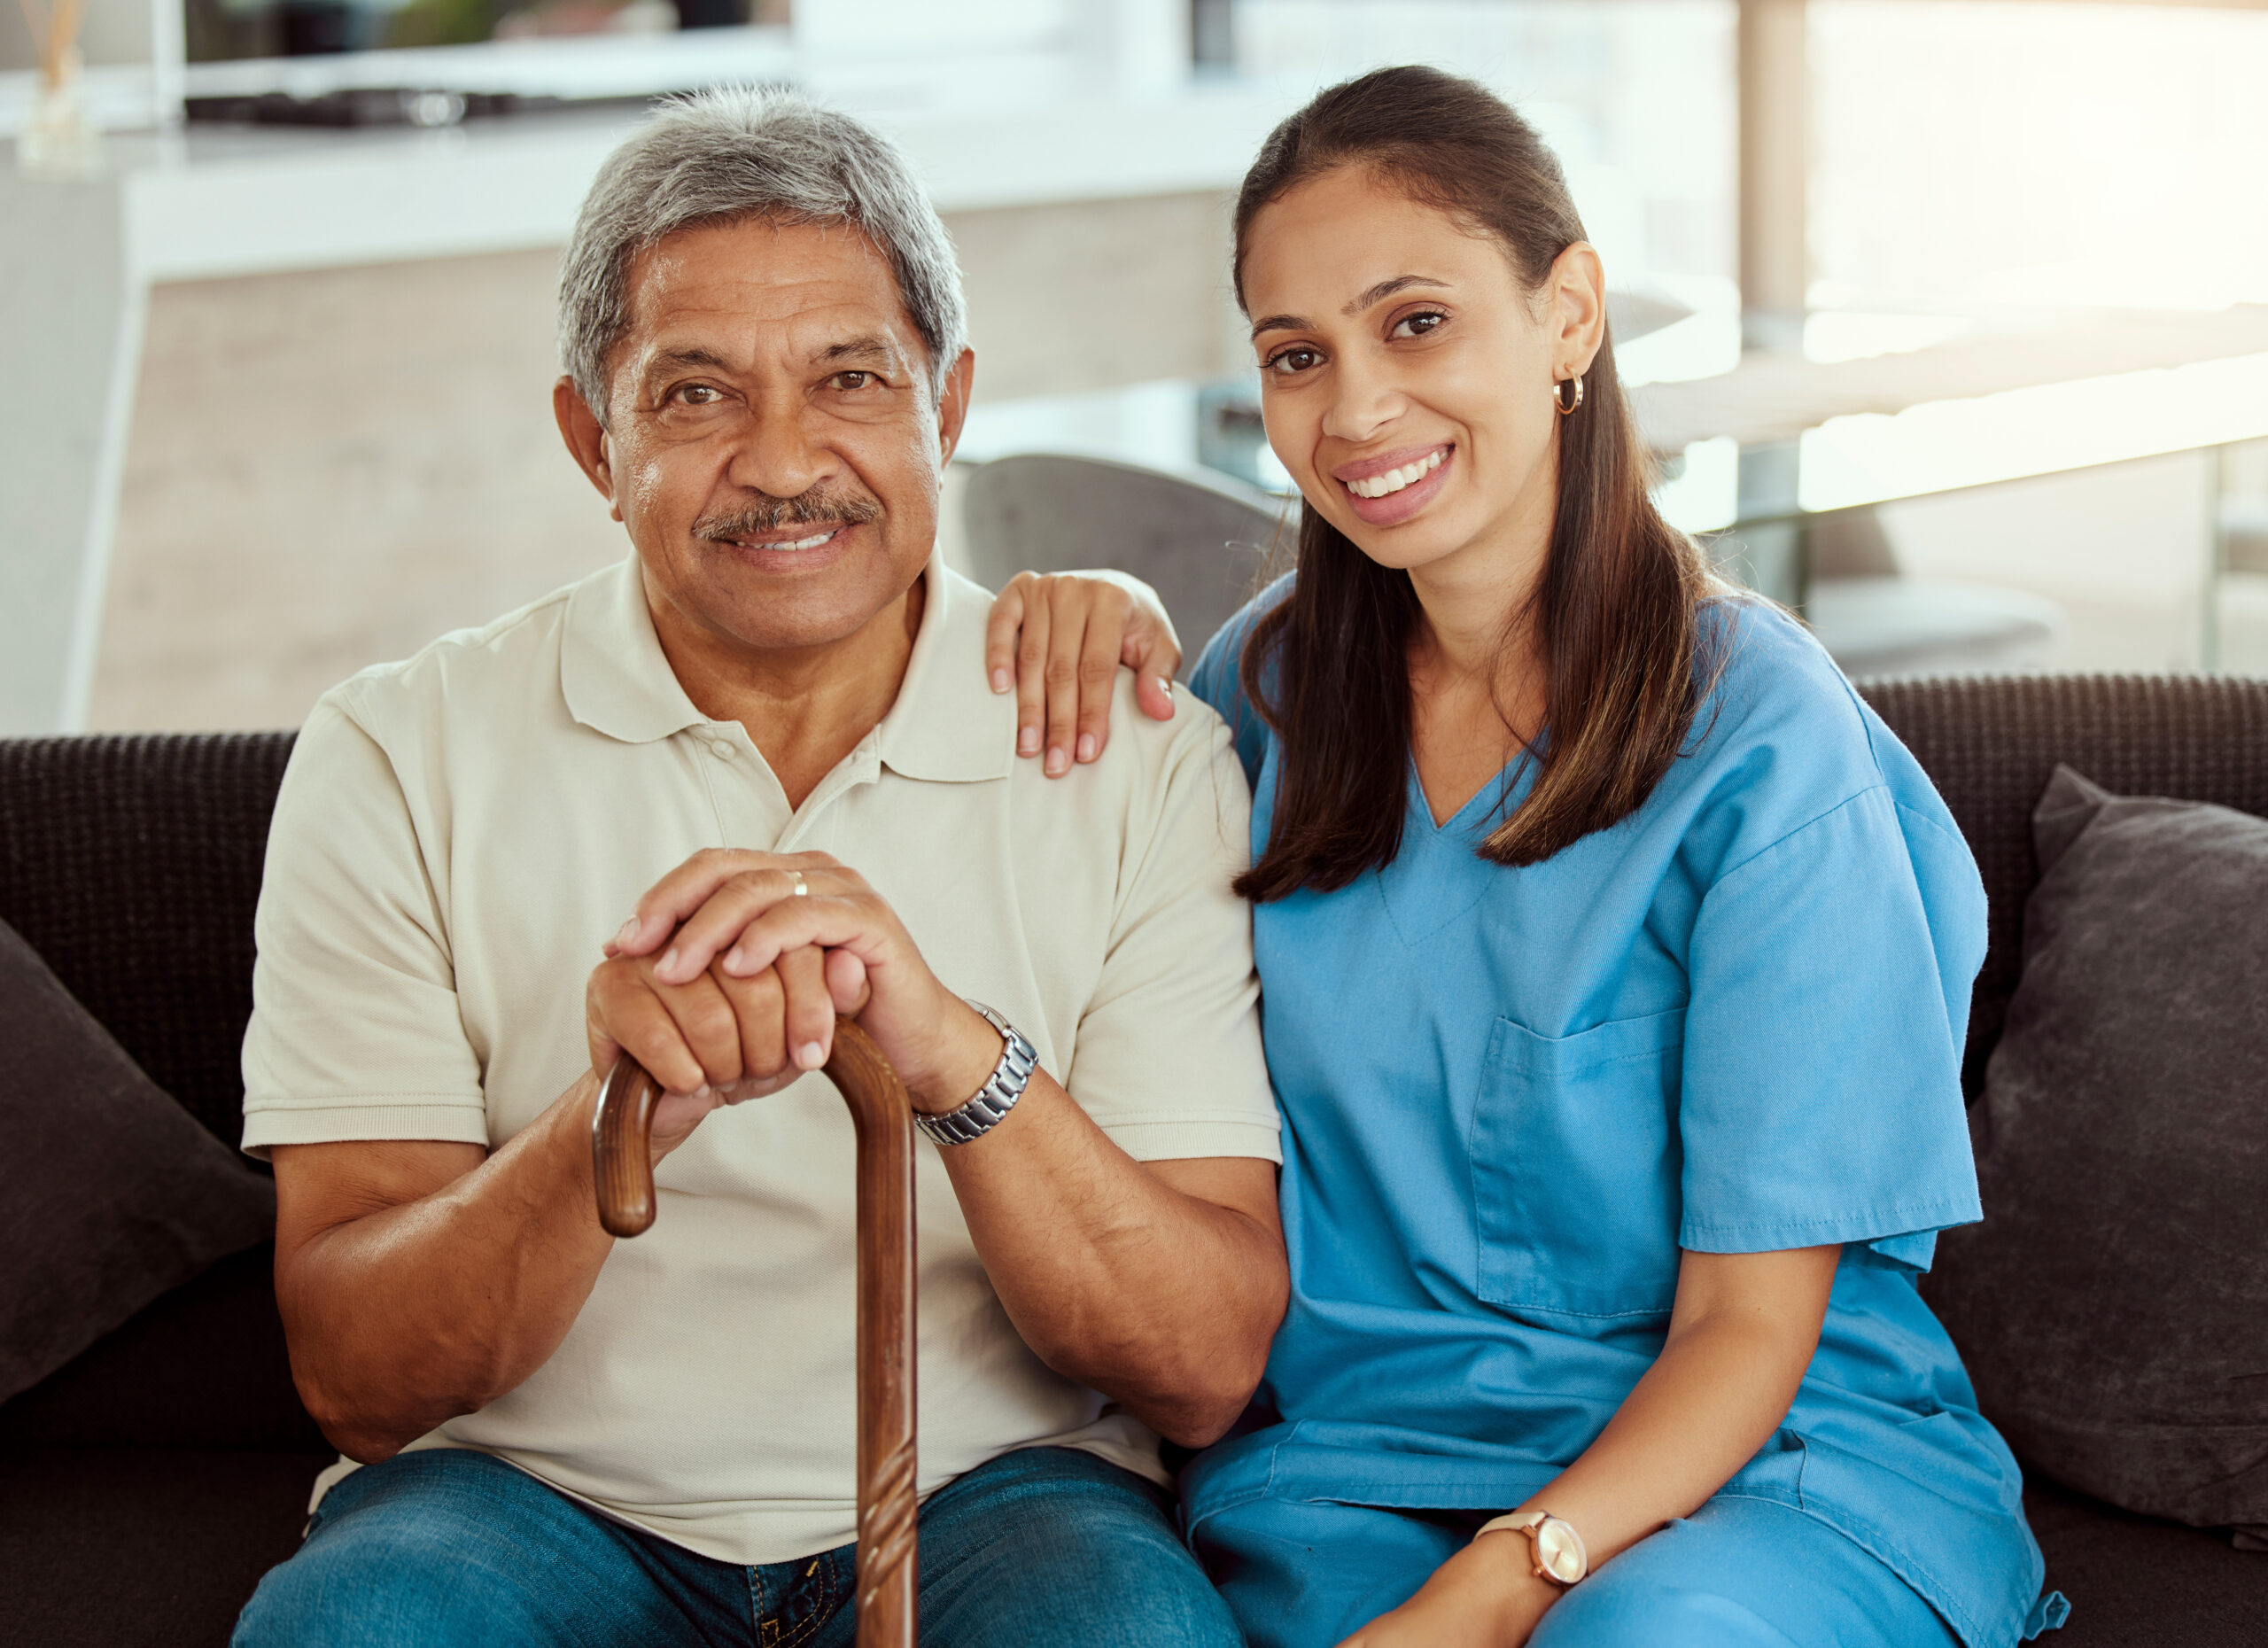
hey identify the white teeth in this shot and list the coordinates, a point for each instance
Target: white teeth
(1394, 480)
(806, 543)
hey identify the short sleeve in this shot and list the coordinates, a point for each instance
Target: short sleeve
(1169, 1060)
(355, 1031)
(1821, 1100)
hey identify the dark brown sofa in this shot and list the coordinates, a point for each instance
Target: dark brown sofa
(144, 1488)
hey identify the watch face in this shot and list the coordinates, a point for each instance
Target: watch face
(1560, 1550)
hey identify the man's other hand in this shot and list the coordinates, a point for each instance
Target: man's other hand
(726, 921)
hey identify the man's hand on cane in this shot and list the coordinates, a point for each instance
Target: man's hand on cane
(734, 966)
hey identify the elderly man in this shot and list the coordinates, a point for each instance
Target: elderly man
(756, 769)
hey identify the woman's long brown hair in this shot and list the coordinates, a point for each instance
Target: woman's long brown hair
(1614, 612)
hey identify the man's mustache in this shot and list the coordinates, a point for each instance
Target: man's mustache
(815, 507)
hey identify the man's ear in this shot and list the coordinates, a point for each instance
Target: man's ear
(952, 405)
(586, 437)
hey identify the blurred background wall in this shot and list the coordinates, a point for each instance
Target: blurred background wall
(330, 436)
(333, 467)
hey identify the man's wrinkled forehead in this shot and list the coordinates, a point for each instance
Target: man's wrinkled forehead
(732, 296)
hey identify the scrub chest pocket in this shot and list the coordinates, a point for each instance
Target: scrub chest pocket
(1576, 1166)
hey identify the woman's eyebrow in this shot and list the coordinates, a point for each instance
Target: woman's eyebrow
(1384, 289)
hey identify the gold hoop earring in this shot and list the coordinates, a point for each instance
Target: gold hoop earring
(1565, 405)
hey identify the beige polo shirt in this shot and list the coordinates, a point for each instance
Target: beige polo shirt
(459, 833)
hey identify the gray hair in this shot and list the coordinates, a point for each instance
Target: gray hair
(735, 153)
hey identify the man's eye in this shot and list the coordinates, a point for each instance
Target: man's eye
(852, 380)
(698, 395)
(1286, 362)
(1418, 324)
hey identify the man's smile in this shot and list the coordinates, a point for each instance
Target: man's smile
(752, 541)
(802, 534)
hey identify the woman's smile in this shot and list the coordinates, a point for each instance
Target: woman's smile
(1388, 489)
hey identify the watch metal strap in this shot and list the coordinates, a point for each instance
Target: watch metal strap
(998, 1095)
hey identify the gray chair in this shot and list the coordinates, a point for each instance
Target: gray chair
(1875, 621)
(1202, 540)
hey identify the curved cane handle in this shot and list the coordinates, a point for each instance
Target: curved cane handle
(622, 1132)
(622, 1151)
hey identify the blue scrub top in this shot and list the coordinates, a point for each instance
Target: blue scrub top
(1733, 1023)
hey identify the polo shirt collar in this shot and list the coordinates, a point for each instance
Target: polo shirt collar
(616, 677)
(947, 726)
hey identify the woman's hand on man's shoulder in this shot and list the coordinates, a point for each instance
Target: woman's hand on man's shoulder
(1057, 640)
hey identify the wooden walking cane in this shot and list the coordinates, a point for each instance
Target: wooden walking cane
(621, 1131)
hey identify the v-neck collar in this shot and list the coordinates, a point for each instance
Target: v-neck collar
(1522, 766)
(1423, 894)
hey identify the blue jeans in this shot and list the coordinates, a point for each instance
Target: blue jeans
(1737, 1574)
(444, 1547)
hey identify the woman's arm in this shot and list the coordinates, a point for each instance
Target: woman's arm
(1059, 639)
(1740, 1335)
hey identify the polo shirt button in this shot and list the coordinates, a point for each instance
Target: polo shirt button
(722, 750)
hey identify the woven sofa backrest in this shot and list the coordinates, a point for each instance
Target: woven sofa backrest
(132, 864)
(1990, 743)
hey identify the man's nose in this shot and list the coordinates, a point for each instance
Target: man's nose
(776, 454)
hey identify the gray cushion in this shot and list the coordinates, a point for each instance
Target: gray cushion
(116, 1548)
(2113, 1307)
(110, 1193)
(2137, 1583)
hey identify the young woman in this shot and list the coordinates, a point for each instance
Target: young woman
(1617, 964)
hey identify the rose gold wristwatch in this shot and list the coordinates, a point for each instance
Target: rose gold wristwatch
(1555, 1551)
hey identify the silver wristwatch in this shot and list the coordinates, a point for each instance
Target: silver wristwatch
(998, 1095)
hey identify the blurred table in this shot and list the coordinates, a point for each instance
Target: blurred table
(1777, 395)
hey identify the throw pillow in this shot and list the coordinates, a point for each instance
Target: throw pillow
(110, 1193)
(2113, 1307)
